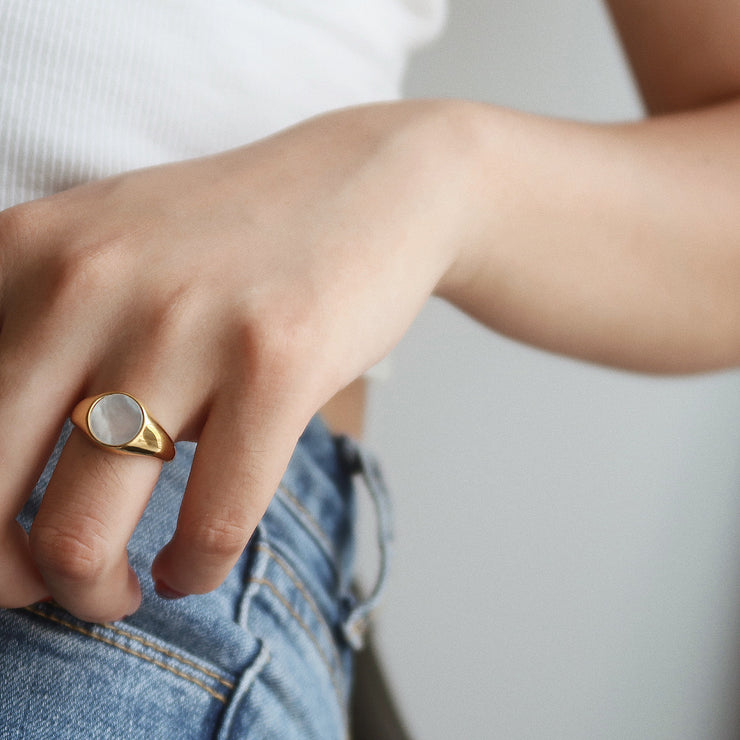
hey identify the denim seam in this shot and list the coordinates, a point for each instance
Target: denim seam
(130, 651)
(164, 651)
(306, 595)
(317, 531)
(304, 627)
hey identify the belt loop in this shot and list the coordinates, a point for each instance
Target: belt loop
(361, 462)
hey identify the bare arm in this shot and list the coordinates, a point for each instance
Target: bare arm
(619, 243)
(684, 54)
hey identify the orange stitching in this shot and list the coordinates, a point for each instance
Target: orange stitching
(169, 653)
(319, 531)
(281, 598)
(100, 638)
(309, 599)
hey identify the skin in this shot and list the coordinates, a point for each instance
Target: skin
(237, 294)
(345, 412)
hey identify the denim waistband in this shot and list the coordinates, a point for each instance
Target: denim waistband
(329, 514)
(361, 462)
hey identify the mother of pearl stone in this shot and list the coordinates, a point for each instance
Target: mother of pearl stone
(115, 419)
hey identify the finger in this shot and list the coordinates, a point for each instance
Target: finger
(17, 569)
(241, 456)
(91, 507)
(33, 406)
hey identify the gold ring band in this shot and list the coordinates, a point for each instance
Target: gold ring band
(120, 423)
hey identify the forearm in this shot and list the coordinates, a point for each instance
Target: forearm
(619, 244)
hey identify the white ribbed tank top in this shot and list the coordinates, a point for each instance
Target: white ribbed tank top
(89, 88)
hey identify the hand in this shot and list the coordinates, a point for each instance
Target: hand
(233, 295)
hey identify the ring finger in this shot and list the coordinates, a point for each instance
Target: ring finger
(90, 509)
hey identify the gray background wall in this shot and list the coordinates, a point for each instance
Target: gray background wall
(568, 537)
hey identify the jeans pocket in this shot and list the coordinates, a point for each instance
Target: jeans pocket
(66, 679)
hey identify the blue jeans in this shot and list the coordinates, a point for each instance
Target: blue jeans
(266, 655)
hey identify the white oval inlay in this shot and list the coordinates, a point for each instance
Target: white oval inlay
(115, 419)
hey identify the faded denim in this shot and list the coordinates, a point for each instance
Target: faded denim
(267, 655)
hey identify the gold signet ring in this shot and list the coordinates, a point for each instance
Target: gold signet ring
(119, 423)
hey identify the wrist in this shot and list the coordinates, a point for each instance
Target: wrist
(434, 150)
(462, 134)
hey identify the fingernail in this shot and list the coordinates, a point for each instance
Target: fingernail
(166, 592)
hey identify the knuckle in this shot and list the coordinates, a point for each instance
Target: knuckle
(68, 554)
(19, 223)
(70, 282)
(273, 346)
(218, 538)
(90, 271)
